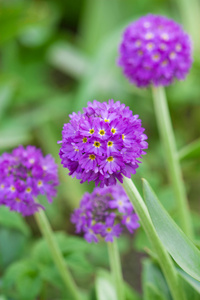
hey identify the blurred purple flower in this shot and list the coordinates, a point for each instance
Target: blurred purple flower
(25, 174)
(103, 144)
(104, 212)
(155, 50)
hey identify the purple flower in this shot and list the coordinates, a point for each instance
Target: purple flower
(25, 174)
(110, 230)
(155, 50)
(104, 213)
(103, 144)
(130, 221)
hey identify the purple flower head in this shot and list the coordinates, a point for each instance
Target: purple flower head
(104, 213)
(155, 50)
(103, 144)
(24, 174)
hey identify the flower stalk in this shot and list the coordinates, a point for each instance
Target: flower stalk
(116, 270)
(163, 257)
(46, 231)
(173, 165)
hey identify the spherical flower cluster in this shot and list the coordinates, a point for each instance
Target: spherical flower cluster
(155, 50)
(104, 212)
(24, 174)
(103, 143)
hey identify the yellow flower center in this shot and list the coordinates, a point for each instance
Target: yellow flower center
(123, 136)
(149, 36)
(164, 63)
(165, 36)
(17, 199)
(178, 47)
(150, 46)
(92, 156)
(138, 43)
(40, 183)
(163, 46)
(156, 57)
(2, 186)
(91, 131)
(84, 140)
(76, 149)
(109, 229)
(120, 203)
(140, 52)
(28, 189)
(113, 130)
(110, 158)
(101, 132)
(172, 55)
(109, 144)
(31, 160)
(128, 219)
(12, 188)
(97, 144)
(106, 120)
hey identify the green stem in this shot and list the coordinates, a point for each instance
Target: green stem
(163, 257)
(167, 136)
(116, 269)
(46, 231)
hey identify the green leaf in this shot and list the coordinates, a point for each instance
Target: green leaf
(12, 245)
(49, 110)
(193, 282)
(78, 262)
(154, 283)
(12, 138)
(13, 220)
(12, 20)
(68, 59)
(23, 277)
(181, 248)
(105, 289)
(7, 90)
(28, 287)
(72, 248)
(104, 286)
(131, 294)
(190, 151)
(190, 291)
(50, 274)
(151, 292)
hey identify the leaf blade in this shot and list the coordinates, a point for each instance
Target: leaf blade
(180, 247)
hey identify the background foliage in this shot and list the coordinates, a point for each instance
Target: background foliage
(55, 56)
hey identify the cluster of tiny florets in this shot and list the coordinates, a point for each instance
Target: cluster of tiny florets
(155, 50)
(24, 174)
(104, 213)
(102, 144)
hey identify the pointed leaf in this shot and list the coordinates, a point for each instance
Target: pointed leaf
(152, 293)
(175, 241)
(190, 151)
(154, 282)
(104, 286)
(193, 282)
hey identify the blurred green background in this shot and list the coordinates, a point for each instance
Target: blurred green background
(55, 56)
